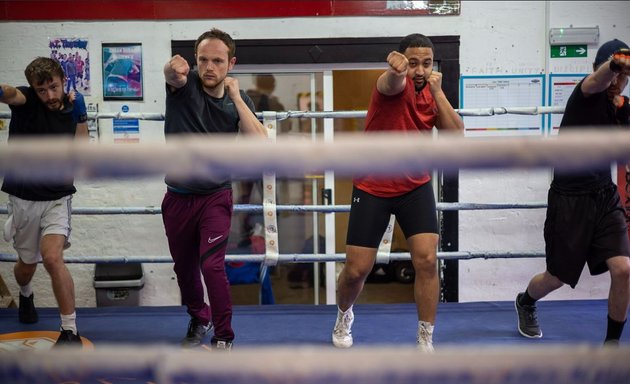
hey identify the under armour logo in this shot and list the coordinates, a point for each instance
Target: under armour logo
(213, 239)
(356, 199)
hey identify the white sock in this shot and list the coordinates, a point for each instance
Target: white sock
(426, 325)
(69, 323)
(26, 290)
(346, 311)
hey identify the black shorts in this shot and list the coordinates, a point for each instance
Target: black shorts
(369, 215)
(584, 229)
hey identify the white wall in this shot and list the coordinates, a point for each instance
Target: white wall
(521, 230)
(496, 38)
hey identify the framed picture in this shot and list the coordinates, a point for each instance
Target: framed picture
(122, 71)
(74, 57)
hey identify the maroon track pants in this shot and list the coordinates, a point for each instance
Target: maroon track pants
(197, 228)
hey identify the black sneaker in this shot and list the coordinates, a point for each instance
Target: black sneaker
(27, 313)
(527, 319)
(196, 333)
(222, 345)
(68, 339)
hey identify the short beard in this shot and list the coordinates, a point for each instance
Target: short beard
(421, 87)
(57, 102)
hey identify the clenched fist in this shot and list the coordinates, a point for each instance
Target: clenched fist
(179, 65)
(435, 81)
(232, 88)
(398, 62)
(620, 61)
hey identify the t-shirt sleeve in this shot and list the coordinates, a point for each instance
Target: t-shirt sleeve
(180, 92)
(248, 101)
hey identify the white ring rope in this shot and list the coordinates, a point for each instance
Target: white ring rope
(287, 257)
(493, 364)
(253, 208)
(348, 154)
(270, 213)
(490, 111)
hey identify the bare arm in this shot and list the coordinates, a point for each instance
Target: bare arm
(82, 131)
(447, 117)
(176, 72)
(11, 95)
(249, 123)
(393, 81)
(601, 79)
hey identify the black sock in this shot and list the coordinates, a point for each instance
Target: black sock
(614, 330)
(526, 299)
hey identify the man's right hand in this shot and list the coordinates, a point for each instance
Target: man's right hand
(620, 61)
(179, 65)
(176, 71)
(398, 62)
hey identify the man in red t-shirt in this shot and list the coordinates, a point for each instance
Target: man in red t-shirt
(408, 97)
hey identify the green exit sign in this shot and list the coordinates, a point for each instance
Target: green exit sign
(568, 51)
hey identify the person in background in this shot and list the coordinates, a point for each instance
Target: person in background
(585, 223)
(197, 213)
(408, 98)
(39, 220)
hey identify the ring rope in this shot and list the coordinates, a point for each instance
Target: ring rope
(53, 159)
(457, 363)
(288, 257)
(490, 111)
(270, 213)
(253, 208)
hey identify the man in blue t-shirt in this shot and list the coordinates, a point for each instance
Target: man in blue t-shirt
(585, 222)
(39, 221)
(197, 213)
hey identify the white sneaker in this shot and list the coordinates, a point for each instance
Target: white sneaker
(424, 338)
(342, 333)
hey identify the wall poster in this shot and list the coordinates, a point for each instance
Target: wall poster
(122, 71)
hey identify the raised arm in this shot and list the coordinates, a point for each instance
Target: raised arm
(79, 113)
(176, 72)
(11, 95)
(447, 117)
(393, 81)
(249, 123)
(598, 81)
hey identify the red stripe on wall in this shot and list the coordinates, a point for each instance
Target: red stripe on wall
(191, 9)
(159, 9)
(57, 10)
(77, 10)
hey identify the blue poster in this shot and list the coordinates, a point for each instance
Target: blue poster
(122, 71)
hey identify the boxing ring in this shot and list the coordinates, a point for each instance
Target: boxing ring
(475, 342)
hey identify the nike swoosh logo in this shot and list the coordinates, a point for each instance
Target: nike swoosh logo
(213, 239)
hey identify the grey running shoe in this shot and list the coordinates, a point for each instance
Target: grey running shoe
(342, 333)
(27, 313)
(195, 334)
(68, 339)
(527, 319)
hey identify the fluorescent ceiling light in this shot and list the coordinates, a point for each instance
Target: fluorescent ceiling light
(567, 36)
